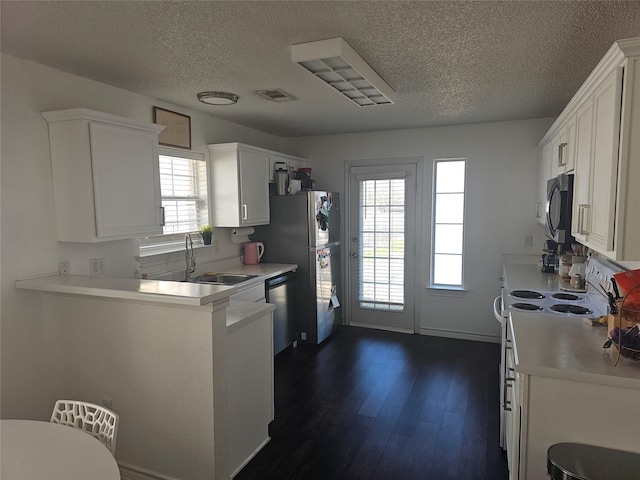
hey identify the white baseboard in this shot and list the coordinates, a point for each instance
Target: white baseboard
(436, 332)
(381, 327)
(478, 337)
(250, 457)
(130, 472)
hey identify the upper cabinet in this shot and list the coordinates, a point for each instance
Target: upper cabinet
(105, 175)
(544, 174)
(597, 175)
(600, 127)
(240, 182)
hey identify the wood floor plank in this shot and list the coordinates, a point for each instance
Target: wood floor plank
(375, 405)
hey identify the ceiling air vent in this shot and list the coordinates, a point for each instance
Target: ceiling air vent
(276, 95)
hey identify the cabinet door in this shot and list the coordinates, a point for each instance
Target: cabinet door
(544, 174)
(126, 181)
(606, 130)
(559, 147)
(254, 188)
(581, 183)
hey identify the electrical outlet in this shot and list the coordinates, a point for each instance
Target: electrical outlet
(97, 266)
(107, 403)
(528, 241)
(63, 268)
(303, 335)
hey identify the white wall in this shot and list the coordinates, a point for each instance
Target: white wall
(502, 177)
(502, 187)
(28, 242)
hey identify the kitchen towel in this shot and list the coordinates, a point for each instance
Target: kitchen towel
(241, 235)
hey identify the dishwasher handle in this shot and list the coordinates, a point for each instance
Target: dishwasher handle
(273, 282)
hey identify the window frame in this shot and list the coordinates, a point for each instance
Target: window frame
(173, 242)
(433, 253)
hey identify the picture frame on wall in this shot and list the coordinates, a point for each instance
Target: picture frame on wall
(178, 128)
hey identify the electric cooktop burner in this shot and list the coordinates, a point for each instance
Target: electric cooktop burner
(526, 306)
(569, 308)
(565, 296)
(529, 294)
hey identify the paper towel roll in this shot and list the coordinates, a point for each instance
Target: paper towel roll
(241, 235)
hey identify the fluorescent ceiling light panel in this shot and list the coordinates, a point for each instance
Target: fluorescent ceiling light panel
(337, 64)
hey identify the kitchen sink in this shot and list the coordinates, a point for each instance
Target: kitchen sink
(223, 278)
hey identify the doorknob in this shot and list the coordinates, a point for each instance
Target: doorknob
(354, 255)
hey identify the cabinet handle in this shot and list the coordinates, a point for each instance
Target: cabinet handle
(581, 218)
(505, 402)
(162, 223)
(244, 212)
(561, 156)
(538, 208)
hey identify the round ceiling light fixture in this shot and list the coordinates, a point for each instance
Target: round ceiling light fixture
(218, 98)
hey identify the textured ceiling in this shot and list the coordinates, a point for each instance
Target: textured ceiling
(449, 62)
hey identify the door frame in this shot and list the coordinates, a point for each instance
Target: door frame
(418, 271)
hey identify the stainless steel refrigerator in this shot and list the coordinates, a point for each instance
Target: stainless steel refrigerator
(305, 229)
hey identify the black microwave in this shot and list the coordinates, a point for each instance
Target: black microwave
(558, 210)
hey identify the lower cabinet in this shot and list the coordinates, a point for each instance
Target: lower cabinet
(511, 411)
(250, 380)
(557, 410)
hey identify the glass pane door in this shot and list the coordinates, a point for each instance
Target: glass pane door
(382, 244)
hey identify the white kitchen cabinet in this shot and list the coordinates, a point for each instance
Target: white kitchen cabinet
(557, 410)
(240, 182)
(512, 410)
(105, 175)
(250, 371)
(563, 149)
(606, 110)
(595, 208)
(544, 175)
(293, 163)
(581, 183)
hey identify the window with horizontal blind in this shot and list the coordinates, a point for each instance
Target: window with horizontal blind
(183, 187)
(382, 242)
(447, 246)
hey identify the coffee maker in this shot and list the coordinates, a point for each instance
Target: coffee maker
(549, 257)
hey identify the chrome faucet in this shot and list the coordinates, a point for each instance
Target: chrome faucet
(190, 259)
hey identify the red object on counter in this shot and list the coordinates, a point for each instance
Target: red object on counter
(627, 281)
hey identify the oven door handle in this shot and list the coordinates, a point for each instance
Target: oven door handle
(497, 308)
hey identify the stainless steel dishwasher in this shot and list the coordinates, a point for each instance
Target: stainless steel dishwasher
(279, 291)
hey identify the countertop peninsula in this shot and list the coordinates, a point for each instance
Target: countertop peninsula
(153, 290)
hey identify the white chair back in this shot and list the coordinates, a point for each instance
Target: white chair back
(97, 421)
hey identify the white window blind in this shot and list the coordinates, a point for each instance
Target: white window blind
(382, 214)
(183, 187)
(447, 244)
(183, 183)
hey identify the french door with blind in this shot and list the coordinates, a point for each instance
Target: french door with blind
(381, 246)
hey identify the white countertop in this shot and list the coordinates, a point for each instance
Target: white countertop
(520, 276)
(560, 346)
(156, 291)
(241, 313)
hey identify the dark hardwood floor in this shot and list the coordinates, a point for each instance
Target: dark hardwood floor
(375, 405)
